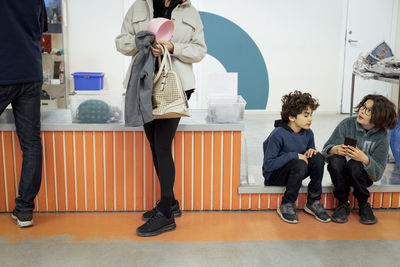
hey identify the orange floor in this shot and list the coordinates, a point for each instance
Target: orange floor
(202, 226)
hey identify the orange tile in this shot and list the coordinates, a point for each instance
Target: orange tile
(207, 171)
(395, 200)
(99, 165)
(60, 170)
(138, 194)
(9, 171)
(2, 186)
(148, 177)
(197, 169)
(188, 162)
(119, 171)
(89, 166)
(129, 150)
(178, 160)
(69, 154)
(217, 165)
(236, 169)
(109, 165)
(227, 157)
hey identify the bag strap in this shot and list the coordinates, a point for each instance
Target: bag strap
(162, 64)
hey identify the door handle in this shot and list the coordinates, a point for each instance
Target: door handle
(352, 41)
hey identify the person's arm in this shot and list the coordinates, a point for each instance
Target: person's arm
(44, 17)
(335, 139)
(377, 159)
(274, 158)
(196, 49)
(125, 41)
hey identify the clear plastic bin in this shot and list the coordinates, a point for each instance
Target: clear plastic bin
(226, 109)
(101, 108)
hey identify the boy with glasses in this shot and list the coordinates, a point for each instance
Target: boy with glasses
(360, 164)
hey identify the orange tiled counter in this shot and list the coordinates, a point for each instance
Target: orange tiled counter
(108, 167)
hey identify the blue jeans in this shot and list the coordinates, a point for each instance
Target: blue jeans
(25, 101)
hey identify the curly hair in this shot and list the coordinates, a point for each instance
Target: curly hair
(295, 103)
(383, 113)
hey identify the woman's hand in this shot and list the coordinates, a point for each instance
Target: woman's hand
(311, 152)
(169, 45)
(358, 155)
(340, 150)
(156, 51)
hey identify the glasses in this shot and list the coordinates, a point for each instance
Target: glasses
(367, 111)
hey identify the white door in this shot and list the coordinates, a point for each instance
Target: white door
(369, 22)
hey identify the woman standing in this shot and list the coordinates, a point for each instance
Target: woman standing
(186, 46)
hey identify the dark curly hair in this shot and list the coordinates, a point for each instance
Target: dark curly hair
(383, 113)
(295, 103)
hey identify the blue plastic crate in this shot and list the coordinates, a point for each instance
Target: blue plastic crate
(88, 80)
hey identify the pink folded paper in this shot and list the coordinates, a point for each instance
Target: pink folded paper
(163, 28)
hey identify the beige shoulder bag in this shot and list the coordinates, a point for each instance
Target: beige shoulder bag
(168, 99)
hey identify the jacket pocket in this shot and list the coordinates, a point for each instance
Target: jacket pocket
(190, 22)
(139, 20)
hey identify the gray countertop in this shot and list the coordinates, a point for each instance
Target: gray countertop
(60, 120)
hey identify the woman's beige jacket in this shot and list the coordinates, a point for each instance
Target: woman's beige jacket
(188, 37)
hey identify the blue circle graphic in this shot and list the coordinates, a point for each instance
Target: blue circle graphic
(237, 52)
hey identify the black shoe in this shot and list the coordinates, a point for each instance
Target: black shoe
(341, 213)
(287, 212)
(156, 225)
(318, 211)
(175, 211)
(366, 214)
(23, 218)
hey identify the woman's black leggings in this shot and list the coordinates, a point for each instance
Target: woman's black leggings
(160, 133)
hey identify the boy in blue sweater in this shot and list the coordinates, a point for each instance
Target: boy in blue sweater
(290, 157)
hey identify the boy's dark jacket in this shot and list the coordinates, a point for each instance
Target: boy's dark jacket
(283, 145)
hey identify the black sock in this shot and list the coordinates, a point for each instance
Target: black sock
(165, 206)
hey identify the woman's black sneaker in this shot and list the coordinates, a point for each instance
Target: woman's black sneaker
(341, 213)
(366, 215)
(23, 218)
(175, 211)
(156, 225)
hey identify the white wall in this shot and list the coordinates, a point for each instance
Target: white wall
(92, 28)
(300, 42)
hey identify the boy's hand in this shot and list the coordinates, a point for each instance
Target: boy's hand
(301, 156)
(339, 150)
(311, 152)
(358, 155)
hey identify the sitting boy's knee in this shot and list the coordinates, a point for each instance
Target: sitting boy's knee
(317, 159)
(299, 165)
(354, 167)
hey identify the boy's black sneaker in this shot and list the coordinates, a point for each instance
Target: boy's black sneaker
(156, 225)
(175, 211)
(341, 213)
(23, 218)
(317, 210)
(287, 212)
(366, 214)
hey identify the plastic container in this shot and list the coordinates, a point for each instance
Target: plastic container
(163, 28)
(226, 109)
(90, 81)
(101, 108)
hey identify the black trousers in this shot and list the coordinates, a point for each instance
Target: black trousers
(160, 133)
(349, 173)
(292, 174)
(25, 101)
